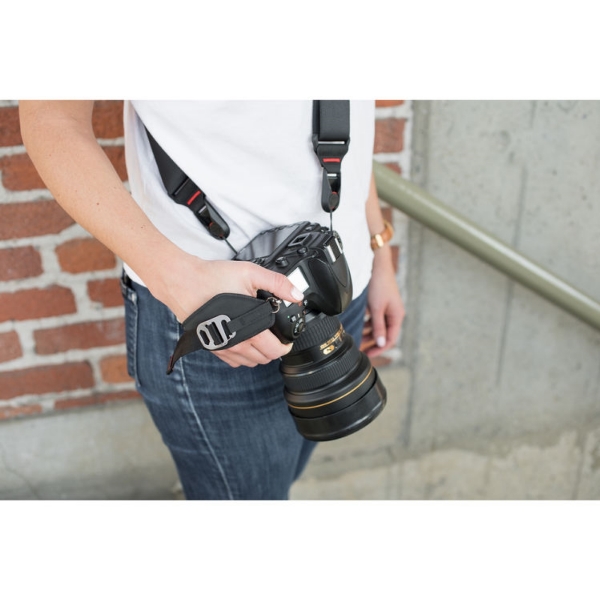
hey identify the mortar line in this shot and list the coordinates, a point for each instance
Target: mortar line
(532, 113)
(577, 482)
(419, 142)
(504, 334)
(414, 360)
(511, 284)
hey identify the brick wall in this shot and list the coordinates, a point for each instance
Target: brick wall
(61, 315)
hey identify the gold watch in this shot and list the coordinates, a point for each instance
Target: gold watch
(379, 239)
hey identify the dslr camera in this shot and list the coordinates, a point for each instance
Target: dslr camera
(331, 388)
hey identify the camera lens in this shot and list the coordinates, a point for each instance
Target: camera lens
(331, 388)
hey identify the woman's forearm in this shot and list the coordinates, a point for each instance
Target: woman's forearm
(376, 223)
(60, 141)
(386, 309)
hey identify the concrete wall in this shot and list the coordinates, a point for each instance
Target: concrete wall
(491, 360)
(499, 392)
(99, 453)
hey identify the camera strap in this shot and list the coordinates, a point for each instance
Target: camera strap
(184, 191)
(228, 319)
(224, 321)
(330, 138)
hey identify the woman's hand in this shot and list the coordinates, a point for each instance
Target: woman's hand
(385, 308)
(192, 282)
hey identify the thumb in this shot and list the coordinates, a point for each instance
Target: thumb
(277, 284)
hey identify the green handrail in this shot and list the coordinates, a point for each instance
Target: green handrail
(424, 208)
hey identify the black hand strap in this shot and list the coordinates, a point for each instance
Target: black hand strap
(331, 137)
(223, 322)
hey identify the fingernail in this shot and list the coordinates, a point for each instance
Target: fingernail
(297, 294)
(381, 341)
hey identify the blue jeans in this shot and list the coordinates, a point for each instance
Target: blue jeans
(229, 430)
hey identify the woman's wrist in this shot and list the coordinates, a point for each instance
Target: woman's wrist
(382, 237)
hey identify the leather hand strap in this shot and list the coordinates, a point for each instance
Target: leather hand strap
(223, 322)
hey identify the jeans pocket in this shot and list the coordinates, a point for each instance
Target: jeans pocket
(130, 299)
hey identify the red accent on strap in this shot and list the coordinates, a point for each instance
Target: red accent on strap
(193, 197)
(332, 160)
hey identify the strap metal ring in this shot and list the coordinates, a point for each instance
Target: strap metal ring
(275, 304)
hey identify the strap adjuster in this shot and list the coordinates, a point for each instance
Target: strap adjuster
(214, 333)
(330, 154)
(330, 139)
(184, 191)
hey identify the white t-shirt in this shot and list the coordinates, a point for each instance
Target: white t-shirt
(255, 162)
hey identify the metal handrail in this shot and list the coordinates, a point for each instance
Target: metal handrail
(421, 206)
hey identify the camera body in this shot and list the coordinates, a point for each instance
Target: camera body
(330, 387)
(312, 258)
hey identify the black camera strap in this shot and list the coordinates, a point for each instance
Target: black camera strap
(184, 191)
(228, 319)
(331, 137)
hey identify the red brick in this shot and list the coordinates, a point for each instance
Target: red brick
(105, 291)
(395, 256)
(30, 219)
(85, 254)
(46, 379)
(114, 369)
(97, 398)
(10, 130)
(19, 263)
(394, 167)
(11, 412)
(107, 119)
(116, 155)
(389, 135)
(18, 173)
(386, 103)
(10, 346)
(36, 303)
(80, 336)
(387, 213)
(380, 361)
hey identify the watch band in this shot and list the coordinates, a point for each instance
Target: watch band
(379, 239)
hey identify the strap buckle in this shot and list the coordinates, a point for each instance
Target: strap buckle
(214, 333)
(330, 191)
(330, 154)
